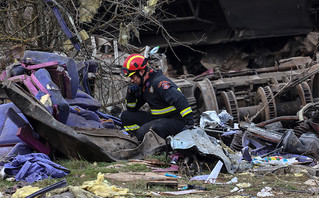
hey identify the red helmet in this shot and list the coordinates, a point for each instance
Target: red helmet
(133, 63)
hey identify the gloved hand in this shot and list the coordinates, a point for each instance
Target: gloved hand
(135, 90)
(188, 127)
(189, 121)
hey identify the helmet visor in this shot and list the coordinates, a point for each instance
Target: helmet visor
(127, 73)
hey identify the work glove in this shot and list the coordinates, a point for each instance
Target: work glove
(189, 121)
(135, 90)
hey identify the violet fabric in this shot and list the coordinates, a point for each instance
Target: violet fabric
(34, 167)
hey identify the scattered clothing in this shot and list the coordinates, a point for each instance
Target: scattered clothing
(34, 167)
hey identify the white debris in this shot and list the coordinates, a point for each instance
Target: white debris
(234, 189)
(265, 192)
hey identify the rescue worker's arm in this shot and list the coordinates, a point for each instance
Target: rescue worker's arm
(176, 98)
(134, 99)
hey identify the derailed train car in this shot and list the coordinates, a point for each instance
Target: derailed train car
(220, 21)
(257, 32)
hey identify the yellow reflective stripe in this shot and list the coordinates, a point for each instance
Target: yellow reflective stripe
(186, 111)
(132, 127)
(129, 61)
(131, 74)
(132, 104)
(179, 89)
(163, 111)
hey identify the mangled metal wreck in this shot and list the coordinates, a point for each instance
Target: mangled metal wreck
(69, 120)
(259, 95)
(54, 123)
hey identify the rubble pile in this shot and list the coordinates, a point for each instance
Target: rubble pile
(251, 117)
(249, 121)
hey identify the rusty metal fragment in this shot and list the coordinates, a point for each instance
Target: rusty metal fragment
(92, 145)
(268, 135)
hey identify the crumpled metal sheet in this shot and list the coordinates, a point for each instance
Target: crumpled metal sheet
(199, 139)
(99, 145)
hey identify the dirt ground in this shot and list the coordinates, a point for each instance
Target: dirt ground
(133, 176)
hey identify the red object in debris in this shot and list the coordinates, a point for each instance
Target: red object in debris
(25, 134)
(314, 125)
(41, 65)
(175, 157)
(208, 71)
(173, 168)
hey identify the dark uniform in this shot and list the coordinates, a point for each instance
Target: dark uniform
(170, 111)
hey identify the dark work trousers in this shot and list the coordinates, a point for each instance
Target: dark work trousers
(143, 121)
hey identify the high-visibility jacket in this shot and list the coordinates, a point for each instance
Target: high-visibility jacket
(163, 96)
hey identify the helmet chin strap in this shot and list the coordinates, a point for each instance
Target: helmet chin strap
(142, 77)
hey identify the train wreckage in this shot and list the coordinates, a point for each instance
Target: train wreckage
(70, 123)
(254, 109)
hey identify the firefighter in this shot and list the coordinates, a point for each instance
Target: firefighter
(169, 112)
